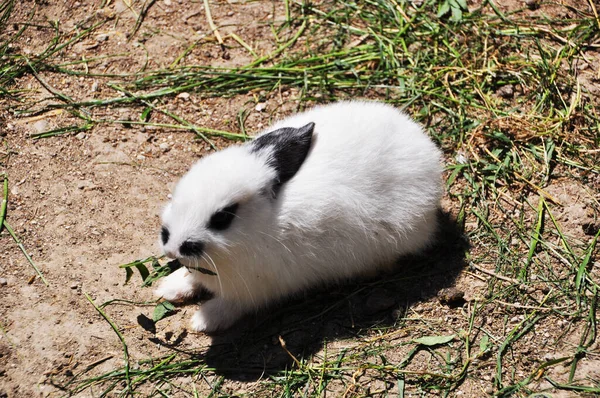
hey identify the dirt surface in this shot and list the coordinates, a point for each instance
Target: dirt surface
(82, 204)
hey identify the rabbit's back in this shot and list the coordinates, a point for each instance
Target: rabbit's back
(369, 163)
(368, 191)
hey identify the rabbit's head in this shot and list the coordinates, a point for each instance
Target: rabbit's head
(229, 196)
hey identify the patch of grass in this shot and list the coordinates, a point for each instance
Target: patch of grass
(503, 95)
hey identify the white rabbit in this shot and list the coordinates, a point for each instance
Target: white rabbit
(337, 191)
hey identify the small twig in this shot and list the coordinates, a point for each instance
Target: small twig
(116, 329)
(595, 12)
(61, 96)
(32, 119)
(20, 245)
(243, 44)
(501, 277)
(530, 307)
(98, 362)
(140, 17)
(4, 202)
(284, 346)
(211, 23)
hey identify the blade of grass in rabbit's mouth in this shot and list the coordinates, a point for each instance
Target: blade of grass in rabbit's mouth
(176, 264)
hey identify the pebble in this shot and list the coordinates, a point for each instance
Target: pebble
(590, 228)
(451, 296)
(261, 106)
(81, 136)
(95, 86)
(183, 96)
(167, 2)
(106, 13)
(40, 126)
(141, 157)
(74, 286)
(164, 147)
(3, 282)
(461, 158)
(102, 37)
(532, 4)
(507, 91)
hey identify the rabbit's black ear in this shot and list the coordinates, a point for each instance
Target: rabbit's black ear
(289, 147)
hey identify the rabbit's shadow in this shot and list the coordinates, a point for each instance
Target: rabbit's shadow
(297, 328)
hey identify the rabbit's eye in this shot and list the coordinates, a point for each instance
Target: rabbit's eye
(164, 235)
(222, 219)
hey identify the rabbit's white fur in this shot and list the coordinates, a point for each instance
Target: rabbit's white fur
(367, 193)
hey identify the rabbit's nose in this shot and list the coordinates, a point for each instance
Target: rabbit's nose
(171, 253)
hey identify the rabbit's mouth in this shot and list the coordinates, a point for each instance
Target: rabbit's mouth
(192, 265)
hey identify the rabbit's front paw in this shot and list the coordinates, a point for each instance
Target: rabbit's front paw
(178, 286)
(214, 314)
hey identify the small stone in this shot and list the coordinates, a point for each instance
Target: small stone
(532, 4)
(183, 96)
(164, 147)
(461, 157)
(81, 136)
(141, 157)
(95, 86)
(3, 282)
(451, 297)
(102, 37)
(74, 286)
(507, 91)
(167, 2)
(590, 228)
(230, 14)
(40, 126)
(261, 106)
